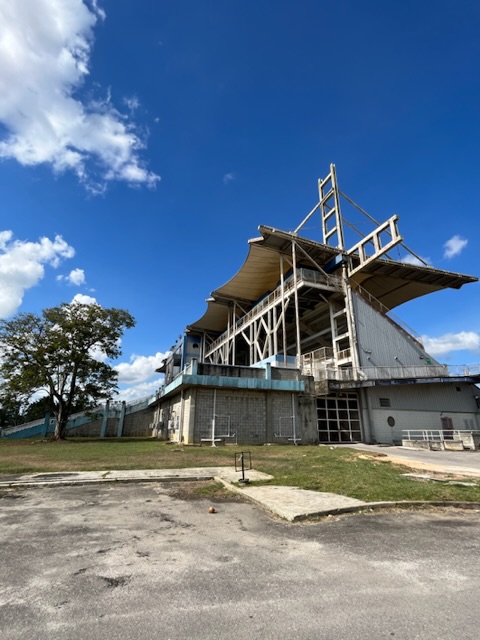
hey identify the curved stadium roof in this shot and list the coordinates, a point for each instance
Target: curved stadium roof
(390, 282)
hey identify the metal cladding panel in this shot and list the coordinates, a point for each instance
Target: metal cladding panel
(381, 342)
(214, 319)
(393, 283)
(434, 398)
(260, 273)
(418, 407)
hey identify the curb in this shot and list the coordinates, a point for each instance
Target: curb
(367, 506)
(380, 506)
(70, 483)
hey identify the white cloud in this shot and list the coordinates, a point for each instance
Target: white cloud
(454, 246)
(45, 49)
(76, 276)
(464, 340)
(83, 299)
(141, 390)
(22, 266)
(229, 177)
(131, 103)
(139, 369)
(411, 259)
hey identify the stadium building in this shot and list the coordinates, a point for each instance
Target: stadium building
(301, 345)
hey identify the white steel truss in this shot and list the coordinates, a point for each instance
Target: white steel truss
(277, 325)
(264, 328)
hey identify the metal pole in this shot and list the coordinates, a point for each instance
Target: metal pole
(282, 285)
(294, 420)
(234, 311)
(213, 419)
(297, 313)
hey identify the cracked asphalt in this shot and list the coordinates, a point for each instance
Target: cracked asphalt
(138, 561)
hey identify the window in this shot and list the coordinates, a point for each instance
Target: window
(385, 402)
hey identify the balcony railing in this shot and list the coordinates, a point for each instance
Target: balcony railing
(304, 277)
(321, 371)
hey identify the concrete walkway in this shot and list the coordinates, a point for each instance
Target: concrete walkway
(290, 503)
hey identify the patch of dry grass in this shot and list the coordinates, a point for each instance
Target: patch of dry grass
(334, 470)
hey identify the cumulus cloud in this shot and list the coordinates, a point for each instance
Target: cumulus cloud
(22, 266)
(140, 368)
(411, 259)
(45, 51)
(462, 341)
(229, 177)
(141, 390)
(83, 299)
(454, 246)
(76, 277)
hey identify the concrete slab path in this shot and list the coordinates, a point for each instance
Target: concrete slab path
(290, 503)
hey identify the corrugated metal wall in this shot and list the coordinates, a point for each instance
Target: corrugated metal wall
(381, 344)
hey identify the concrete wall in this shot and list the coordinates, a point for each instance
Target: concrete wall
(254, 416)
(421, 406)
(135, 425)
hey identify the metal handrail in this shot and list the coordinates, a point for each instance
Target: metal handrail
(436, 435)
(323, 369)
(304, 276)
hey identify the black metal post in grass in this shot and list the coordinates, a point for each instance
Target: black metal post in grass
(240, 464)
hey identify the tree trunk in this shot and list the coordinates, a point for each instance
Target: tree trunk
(61, 424)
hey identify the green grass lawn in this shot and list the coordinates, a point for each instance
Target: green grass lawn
(345, 471)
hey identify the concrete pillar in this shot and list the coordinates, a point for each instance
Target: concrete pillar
(366, 417)
(46, 424)
(121, 420)
(189, 428)
(103, 428)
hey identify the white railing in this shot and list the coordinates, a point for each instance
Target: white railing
(304, 276)
(436, 435)
(464, 369)
(323, 370)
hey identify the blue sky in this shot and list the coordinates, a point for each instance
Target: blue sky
(146, 141)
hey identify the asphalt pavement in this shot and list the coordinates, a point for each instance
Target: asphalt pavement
(137, 561)
(460, 463)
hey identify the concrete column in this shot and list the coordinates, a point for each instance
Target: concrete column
(121, 420)
(366, 418)
(103, 428)
(46, 424)
(189, 432)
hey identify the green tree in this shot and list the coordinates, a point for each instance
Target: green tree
(63, 352)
